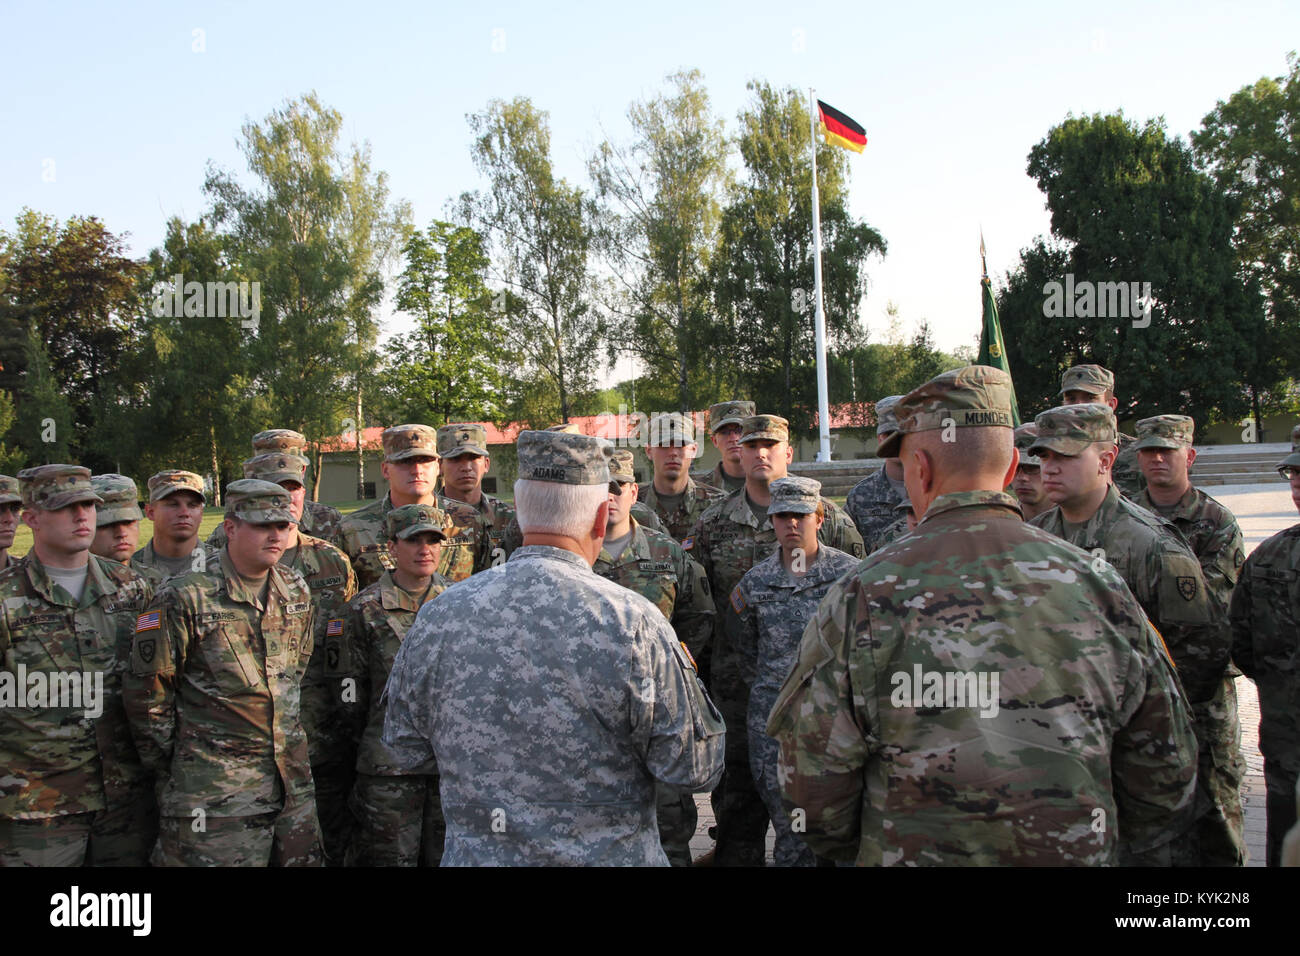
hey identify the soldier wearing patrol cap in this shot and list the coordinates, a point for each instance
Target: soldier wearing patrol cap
(175, 507)
(1028, 483)
(10, 507)
(318, 520)
(1084, 384)
(1165, 454)
(954, 703)
(654, 565)
(1077, 446)
(731, 536)
(672, 494)
(724, 431)
(462, 447)
(766, 615)
(399, 812)
(579, 685)
(410, 467)
(870, 503)
(117, 519)
(214, 697)
(75, 791)
(325, 704)
(1265, 616)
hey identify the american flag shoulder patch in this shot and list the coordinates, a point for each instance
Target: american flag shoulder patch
(688, 542)
(149, 621)
(737, 600)
(334, 628)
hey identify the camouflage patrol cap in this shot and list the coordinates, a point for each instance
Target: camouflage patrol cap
(1165, 431)
(51, 487)
(671, 429)
(279, 439)
(971, 396)
(410, 520)
(462, 438)
(258, 502)
(1092, 379)
(1293, 459)
(729, 413)
(171, 481)
(886, 420)
(120, 499)
(764, 428)
(11, 491)
(276, 466)
(1069, 429)
(565, 428)
(794, 494)
(564, 457)
(409, 441)
(620, 466)
(1024, 437)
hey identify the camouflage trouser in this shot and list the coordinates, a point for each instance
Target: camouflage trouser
(399, 821)
(1221, 768)
(119, 837)
(280, 838)
(1280, 808)
(678, 818)
(333, 784)
(790, 850)
(742, 817)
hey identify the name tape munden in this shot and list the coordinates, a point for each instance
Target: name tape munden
(78, 909)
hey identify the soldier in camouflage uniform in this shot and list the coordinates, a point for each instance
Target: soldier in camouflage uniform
(175, 507)
(904, 521)
(732, 536)
(11, 501)
(728, 474)
(1028, 483)
(411, 468)
(766, 615)
(552, 698)
(73, 790)
(399, 812)
(117, 519)
(1165, 453)
(465, 460)
(318, 520)
(213, 697)
(1081, 747)
(1084, 384)
(1077, 446)
(1265, 616)
(870, 503)
(655, 566)
(673, 495)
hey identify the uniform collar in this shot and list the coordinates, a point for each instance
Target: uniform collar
(546, 552)
(98, 583)
(638, 548)
(235, 584)
(971, 499)
(736, 508)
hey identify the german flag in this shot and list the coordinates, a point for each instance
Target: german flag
(840, 130)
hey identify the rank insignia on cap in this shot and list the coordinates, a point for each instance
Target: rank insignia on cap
(150, 621)
(334, 628)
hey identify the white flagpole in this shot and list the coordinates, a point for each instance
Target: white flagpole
(823, 401)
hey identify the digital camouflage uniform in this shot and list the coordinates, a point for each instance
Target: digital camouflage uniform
(1085, 750)
(1097, 381)
(213, 697)
(655, 566)
(870, 503)
(1215, 538)
(727, 541)
(1155, 562)
(73, 790)
(766, 616)
(553, 699)
(399, 811)
(1265, 616)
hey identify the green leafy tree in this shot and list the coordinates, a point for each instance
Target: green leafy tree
(12, 458)
(43, 428)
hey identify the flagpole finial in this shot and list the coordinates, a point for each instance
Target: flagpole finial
(984, 265)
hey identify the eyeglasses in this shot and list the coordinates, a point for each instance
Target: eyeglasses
(1288, 471)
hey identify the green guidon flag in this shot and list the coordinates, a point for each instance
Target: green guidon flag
(992, 350)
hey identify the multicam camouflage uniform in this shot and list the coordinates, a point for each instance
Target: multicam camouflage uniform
(494, 515)
(1163, 574)
(72, 787)
(213, 697)
(678, 522)
(553, 699)
(149, 562)
(1086, 748)
(1215, 538)
(727, 541)
(870, 503)
(721, 415)
(398, 810)
(767, 612)
(10, 494)
(1265, 616)
(1097, 381)
(318, 520)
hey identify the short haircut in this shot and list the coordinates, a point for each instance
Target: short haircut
(977, 450)
(552, 507)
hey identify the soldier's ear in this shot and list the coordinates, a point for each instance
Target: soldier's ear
(1191, 455)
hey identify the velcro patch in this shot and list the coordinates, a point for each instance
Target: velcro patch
(149, 621)
(1187, 587)
(328, 582)
(737, 600)
(654, 565)
(334, 628)
(688, 542)
(300, 608)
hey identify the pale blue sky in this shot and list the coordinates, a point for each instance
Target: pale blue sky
(953, 95)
